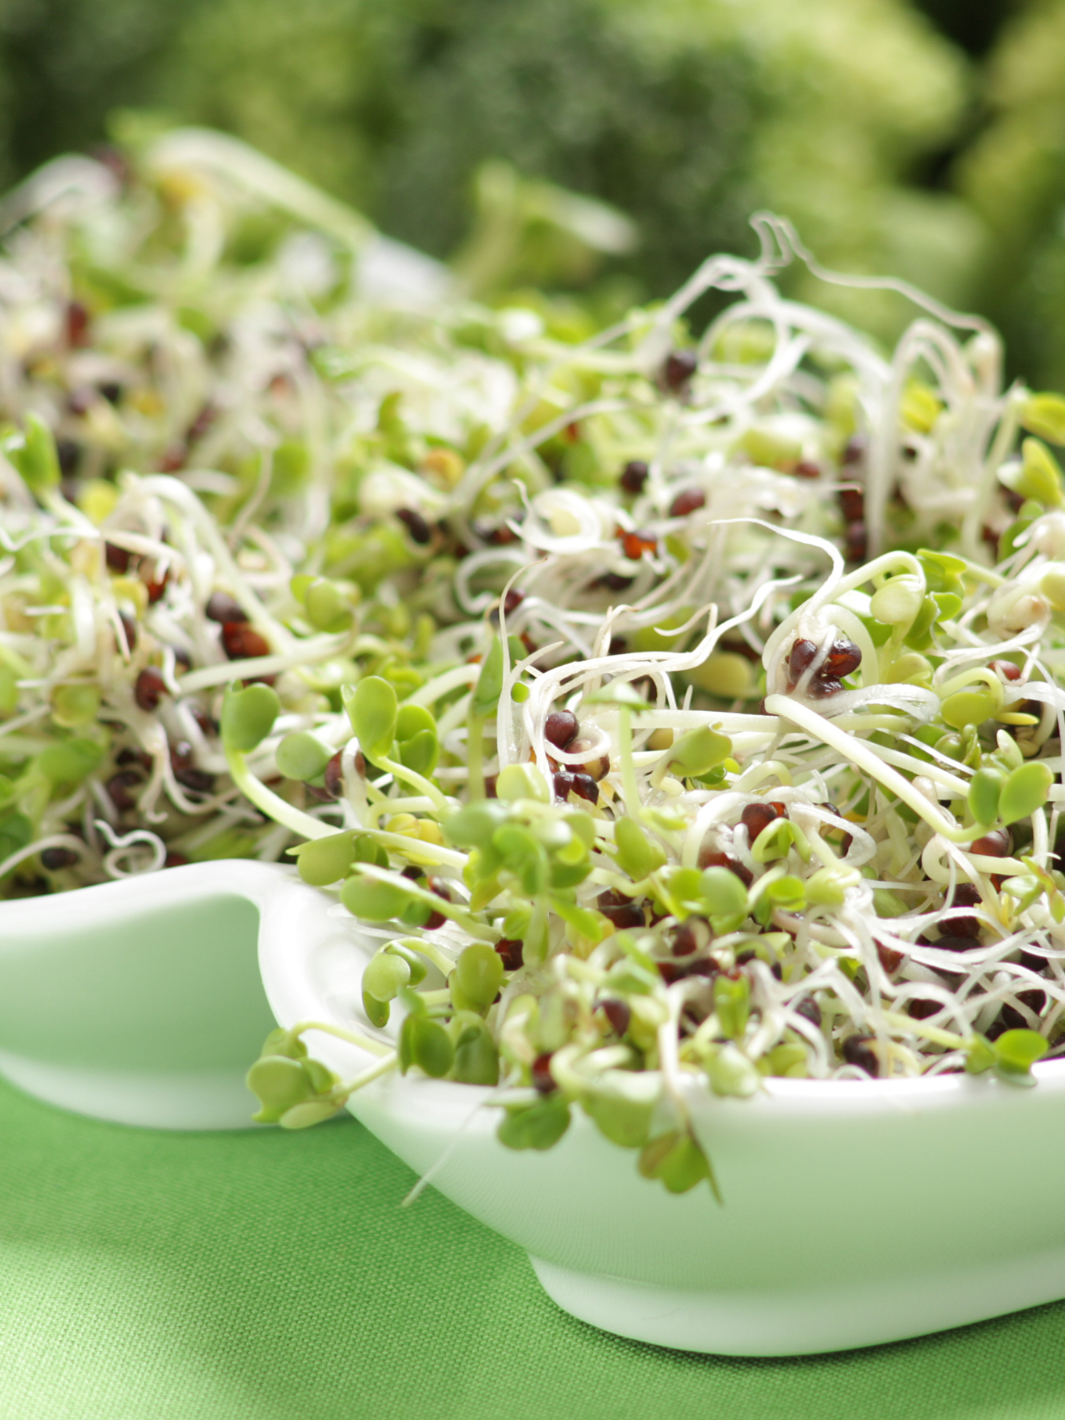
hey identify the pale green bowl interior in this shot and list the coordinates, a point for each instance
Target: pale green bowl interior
(138, 1003)
(78, 998)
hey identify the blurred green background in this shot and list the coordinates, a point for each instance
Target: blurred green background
(922, 140)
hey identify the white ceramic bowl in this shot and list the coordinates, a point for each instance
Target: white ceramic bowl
(854, 1212)
(140, 1000)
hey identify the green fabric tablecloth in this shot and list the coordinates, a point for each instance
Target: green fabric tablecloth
(265, 1276)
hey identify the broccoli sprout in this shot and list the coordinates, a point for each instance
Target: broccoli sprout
(676, 708)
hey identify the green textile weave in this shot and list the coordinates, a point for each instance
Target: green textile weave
(271, 1276)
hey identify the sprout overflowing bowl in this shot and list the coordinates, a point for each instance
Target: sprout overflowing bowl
(669, 707)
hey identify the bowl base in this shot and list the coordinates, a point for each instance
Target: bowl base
(803, 1323)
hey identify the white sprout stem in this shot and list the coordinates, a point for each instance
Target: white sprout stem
(907, 1025)
(457, 914)
(272, 804)
(416, 781)
(367, 1076)
(1000, 447)
(401, 843)
(629, 787)
(439, 959)
(442, 684)
(668, 1051)
(929, 771)
(353, 1037)
(862, 757)
(308, 652)
(477, 475)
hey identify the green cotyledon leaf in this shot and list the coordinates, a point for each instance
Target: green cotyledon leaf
(248, 715)
(1025, 790)
(372, 710)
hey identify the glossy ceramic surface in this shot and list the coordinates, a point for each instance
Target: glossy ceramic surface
(139, 1000)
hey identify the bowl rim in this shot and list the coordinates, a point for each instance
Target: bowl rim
(303, 919)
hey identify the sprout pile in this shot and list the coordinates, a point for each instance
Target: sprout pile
(669, 707)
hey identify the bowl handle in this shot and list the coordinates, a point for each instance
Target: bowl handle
(140, 1000)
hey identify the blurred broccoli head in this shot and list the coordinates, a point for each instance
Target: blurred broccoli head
(1014, 175)
(685, 115)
